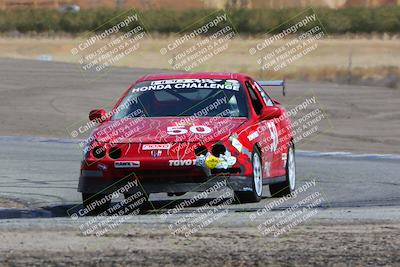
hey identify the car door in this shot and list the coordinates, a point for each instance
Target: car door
(271, 136)
(266, 139)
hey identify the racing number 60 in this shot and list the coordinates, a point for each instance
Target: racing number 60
(180, 129)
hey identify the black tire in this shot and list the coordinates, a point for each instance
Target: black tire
(90, 199)
(285, 188)
(252, 196)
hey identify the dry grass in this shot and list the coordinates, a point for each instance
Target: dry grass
(371, 60)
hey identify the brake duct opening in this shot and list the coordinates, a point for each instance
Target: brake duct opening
(218, 158)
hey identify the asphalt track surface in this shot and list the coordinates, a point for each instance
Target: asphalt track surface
(43, 173)
(356, 223)
(44, 98)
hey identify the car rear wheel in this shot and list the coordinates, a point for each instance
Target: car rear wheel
(257, 181)
(288, 186)
(95, 203)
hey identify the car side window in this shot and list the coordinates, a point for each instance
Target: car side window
(267, 100)
(255, 100)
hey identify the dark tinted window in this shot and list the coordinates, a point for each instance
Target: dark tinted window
(255, 100)
(267, 100)
(184, 97)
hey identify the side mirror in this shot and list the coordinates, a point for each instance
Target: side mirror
(269, 113)
(97, 115)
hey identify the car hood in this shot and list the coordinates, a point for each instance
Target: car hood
(166, 129)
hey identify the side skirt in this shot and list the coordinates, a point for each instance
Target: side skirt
(274, 180)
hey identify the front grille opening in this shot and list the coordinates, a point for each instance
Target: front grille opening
(200, 150)
(99, 152)
(218, 149)
(115, 153)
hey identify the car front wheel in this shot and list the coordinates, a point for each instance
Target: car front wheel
(257, 182)
(288, 186)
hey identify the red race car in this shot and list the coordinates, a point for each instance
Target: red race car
(179, 133)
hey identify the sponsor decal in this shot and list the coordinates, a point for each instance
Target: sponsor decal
(267, 168)
(253, 136)
(185, 123)
(190, 84)
(274, 135)
(156, 146)
(224, 161)
(102, 166)
(126, 164)
(284, 159)
(236, 144)
(156, 153)
(182, 162)
(175, 81)
(232, 85)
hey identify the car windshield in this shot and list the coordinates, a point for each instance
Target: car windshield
(184, 97)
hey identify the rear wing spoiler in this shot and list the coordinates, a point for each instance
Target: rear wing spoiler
(274, 83)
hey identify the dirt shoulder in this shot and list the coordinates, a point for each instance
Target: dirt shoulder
(322, 244)
(10, 203)
(372, 59)
(332, 237)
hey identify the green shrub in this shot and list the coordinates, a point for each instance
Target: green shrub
(247, 21)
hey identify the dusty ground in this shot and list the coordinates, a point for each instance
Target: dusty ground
(311, 244)
(8, 203)
(370, 58)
